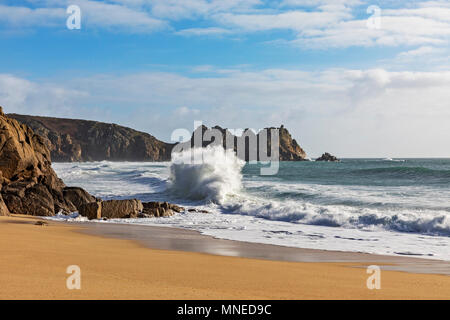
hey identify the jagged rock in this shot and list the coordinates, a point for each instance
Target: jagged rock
(29, 184)
(82, 140)
(160, 209)
(328, 157)
(289, 150)
(112, 209)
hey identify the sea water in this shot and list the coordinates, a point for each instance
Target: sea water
(382, 206)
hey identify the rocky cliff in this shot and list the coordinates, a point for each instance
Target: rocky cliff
(28, 183)
(80, 140)
(251, 142)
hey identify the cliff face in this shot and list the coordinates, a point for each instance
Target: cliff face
(289, 150)
(28, 183)
(80, 140)
(72, 140)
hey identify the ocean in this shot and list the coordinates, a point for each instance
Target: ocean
(380, 206)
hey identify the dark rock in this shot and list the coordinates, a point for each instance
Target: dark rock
(328, 157)
(198, 210)
(77, 196)
(160, 209)
(29, 184)
(289, 149)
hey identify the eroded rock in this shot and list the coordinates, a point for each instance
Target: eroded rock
(160, 209)
(29, 184)
(328, 157)
(112, 209)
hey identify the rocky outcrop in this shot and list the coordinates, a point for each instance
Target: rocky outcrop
(250, 142)
(328, 157)
(289, 148)
(72, 140)
(119, 209)
(160, 209)
(28, 183)
(112, 209)
(80, 140)
(78, 196)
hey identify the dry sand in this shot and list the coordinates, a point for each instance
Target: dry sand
(34, 261)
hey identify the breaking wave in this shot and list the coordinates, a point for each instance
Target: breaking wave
(215, 176)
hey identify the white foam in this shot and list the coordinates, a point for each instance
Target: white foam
(216, 176)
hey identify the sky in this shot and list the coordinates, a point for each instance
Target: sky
(355, 78)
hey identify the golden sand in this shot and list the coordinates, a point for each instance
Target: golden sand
(34, 260)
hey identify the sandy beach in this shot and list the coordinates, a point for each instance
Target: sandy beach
(35, 258)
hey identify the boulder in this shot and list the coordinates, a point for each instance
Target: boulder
(92, 210)
(29, 184)
(77, 196)
(160, 209)
(112, 209)
(328, 157)
(121, 208)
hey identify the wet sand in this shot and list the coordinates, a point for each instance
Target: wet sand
(34, 260)
(166, 238)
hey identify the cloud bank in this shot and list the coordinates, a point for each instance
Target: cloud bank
(377, 112)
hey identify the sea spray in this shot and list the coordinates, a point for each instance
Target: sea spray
(213, 177)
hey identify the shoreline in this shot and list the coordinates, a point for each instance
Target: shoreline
(35, 259)
(179, 239)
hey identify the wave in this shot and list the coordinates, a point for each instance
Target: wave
(216, 176)
(430, 222)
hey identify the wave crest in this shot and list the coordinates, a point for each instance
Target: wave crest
(215, 177)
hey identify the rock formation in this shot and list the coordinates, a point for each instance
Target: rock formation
(112, 209)
(328, 157)
(119, 209)
(289, 150)
(160, 209)
(28, 183)
(80, 140)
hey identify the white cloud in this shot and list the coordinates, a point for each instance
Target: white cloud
(348, 112)
(94, 14)
(314, 24)
(26, 17)
(421, 51)
(203, 31)
(294, 20)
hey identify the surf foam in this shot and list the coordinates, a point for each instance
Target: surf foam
(216, 176)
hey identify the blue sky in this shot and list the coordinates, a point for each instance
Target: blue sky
(340, 79)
